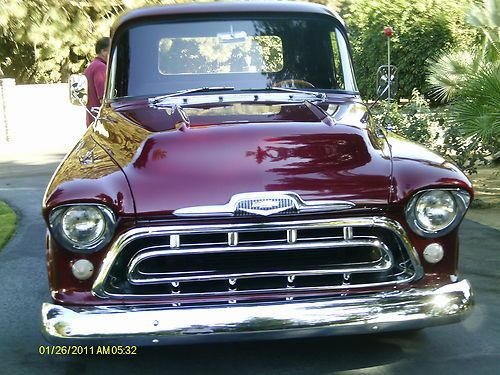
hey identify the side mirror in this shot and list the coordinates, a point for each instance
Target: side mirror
(387, 86)
(78, 89)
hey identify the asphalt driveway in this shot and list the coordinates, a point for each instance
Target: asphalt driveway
(471, 347)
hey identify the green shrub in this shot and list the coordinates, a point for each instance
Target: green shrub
(435, 129)
(467, 153)
(413, 120)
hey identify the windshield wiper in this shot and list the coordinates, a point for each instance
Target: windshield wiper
(157, 99)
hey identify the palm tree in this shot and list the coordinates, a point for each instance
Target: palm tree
(450, 72)
(487, 19)
(477, 107)
(470, 80)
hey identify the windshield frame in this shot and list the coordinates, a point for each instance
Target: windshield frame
(340, 32)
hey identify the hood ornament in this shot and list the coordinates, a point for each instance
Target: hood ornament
(266, 204)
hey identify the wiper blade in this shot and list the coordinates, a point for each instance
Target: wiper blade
(158, 99)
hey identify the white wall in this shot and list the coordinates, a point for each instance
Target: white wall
(39, 118)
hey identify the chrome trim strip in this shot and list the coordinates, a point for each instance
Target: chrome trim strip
(385, 262)
(143, 325)
(142, 232)
(238, 200)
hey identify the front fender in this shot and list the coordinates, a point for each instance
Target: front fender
(88, 174)
(416, 168)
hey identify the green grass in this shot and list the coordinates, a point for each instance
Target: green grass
(7, 223)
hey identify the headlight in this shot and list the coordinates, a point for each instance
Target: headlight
(83, 227)
(435, 210)
(83, 224)
(433, 213)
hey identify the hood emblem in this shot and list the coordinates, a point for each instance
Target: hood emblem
(265, 204)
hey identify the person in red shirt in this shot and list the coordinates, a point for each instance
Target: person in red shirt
(96, 76)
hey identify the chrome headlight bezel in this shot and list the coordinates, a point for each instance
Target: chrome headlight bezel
(461, 199)
(56, 221)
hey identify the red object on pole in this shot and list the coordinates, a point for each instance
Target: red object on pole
(388, 31)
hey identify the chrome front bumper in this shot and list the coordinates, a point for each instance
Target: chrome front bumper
(147, 325)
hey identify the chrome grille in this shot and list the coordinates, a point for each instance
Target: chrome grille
(234, 259)
(159, 265)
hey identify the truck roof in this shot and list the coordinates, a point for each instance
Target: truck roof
(225, 7)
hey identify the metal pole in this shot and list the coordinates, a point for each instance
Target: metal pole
(389, 69)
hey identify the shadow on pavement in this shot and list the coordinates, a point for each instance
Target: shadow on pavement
(37, 165)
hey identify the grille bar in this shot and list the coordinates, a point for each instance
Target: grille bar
(383, 262)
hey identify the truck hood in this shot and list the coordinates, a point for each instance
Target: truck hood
(173, 166)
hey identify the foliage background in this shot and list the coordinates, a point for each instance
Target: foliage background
(44, 41)
(433, 128)
(423, 29)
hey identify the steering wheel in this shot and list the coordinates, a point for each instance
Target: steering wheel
(294, 84)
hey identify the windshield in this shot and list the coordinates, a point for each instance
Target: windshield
(299, 51)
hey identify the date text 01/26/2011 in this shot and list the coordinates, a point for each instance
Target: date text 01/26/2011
(87, 350)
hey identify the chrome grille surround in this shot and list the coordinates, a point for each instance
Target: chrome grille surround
(292, 241)
(265, 204)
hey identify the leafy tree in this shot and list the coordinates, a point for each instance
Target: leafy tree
(46, 40)
(422, 30)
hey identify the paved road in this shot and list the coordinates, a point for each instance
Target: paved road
(471, 347)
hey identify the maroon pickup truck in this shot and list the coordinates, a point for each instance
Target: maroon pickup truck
(234, 186)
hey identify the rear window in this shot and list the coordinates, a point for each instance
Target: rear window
(224, 53)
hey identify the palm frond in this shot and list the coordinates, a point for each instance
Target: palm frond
(476, 108)
(449, 73)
